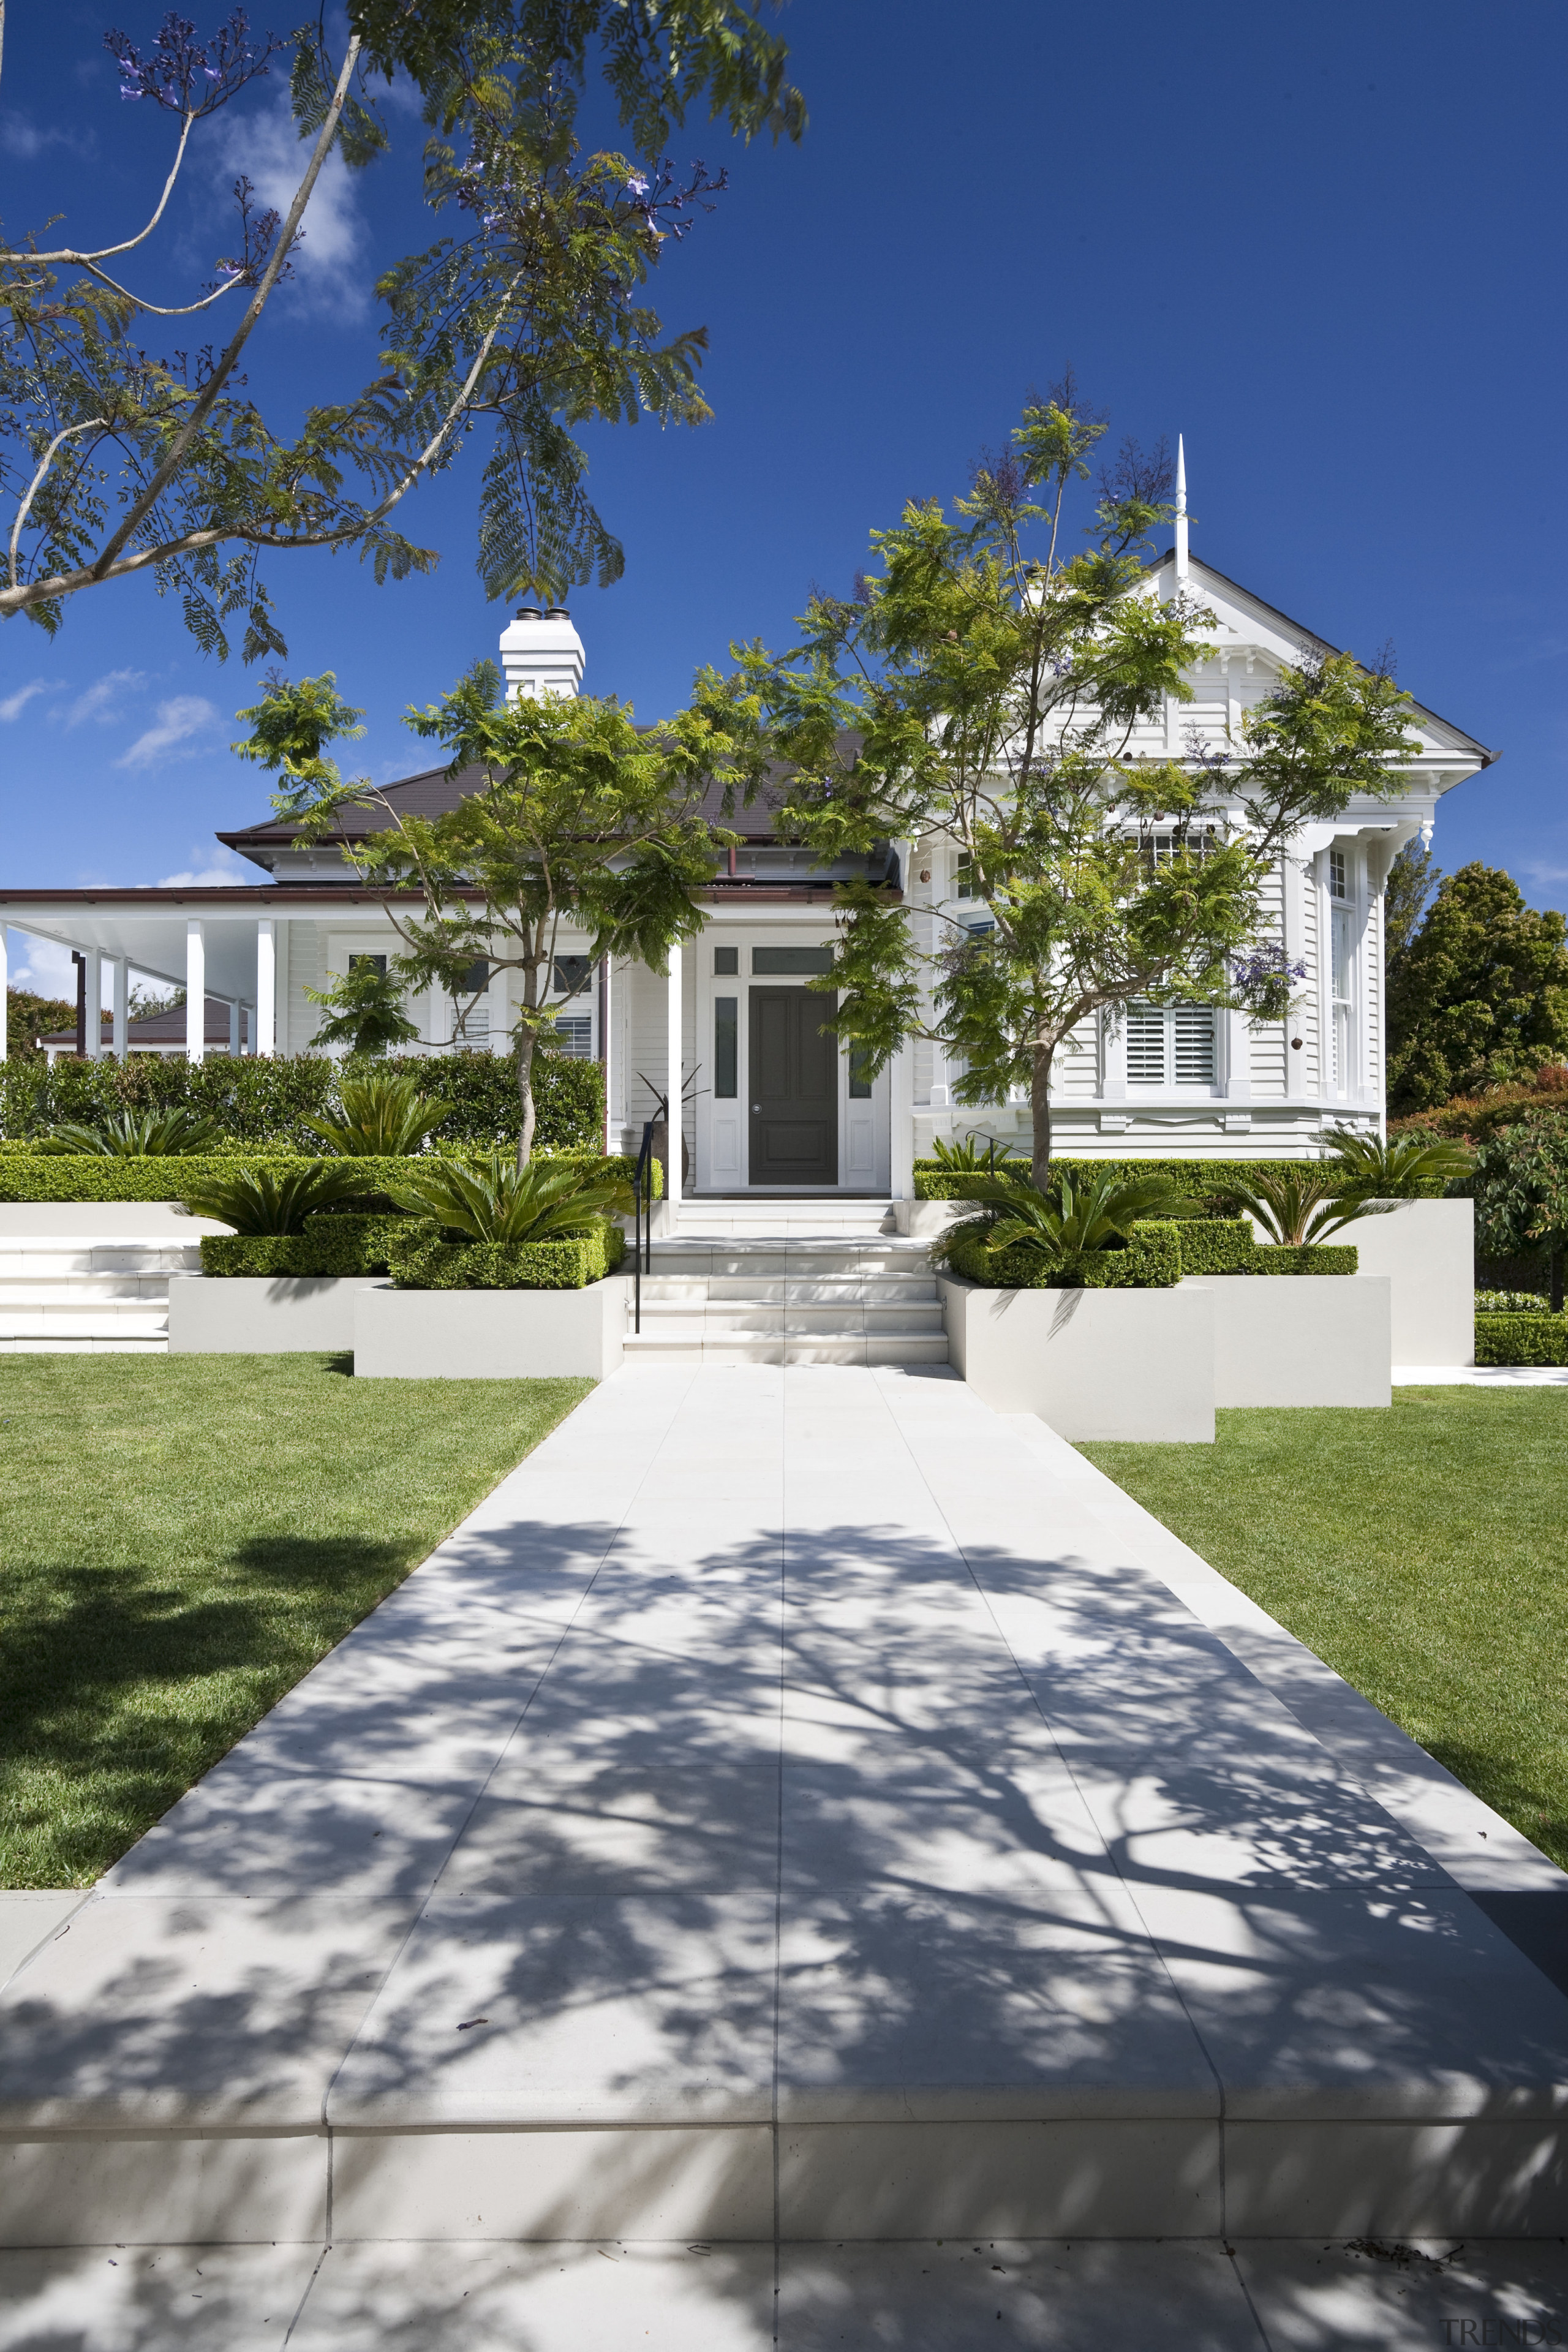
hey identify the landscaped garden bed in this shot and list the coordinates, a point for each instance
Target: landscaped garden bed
(184, 1537)
(1419, 1551)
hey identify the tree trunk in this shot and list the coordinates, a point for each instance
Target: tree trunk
(525, 1096)
(1040, 1107)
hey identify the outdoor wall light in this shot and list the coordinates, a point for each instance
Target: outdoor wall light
(1295, 1044)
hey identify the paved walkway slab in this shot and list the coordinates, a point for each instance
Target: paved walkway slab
(799, 1806)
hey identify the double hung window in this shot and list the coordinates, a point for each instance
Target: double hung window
(1341, 968)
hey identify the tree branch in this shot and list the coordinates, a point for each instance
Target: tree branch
(93, 425)
(67, 257)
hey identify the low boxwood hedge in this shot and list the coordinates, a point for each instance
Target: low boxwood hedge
(1522, 1338)
(420, 1259)
(1151, 1261)
(1318, 1258)
(40, 1176)
(1216, 1244)
(330, 1245)
(1217, 1179)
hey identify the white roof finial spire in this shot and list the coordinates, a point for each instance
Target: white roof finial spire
(1181, 514)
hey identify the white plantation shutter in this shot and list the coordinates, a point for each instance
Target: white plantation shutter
(1194, 1025)
(1146, 1045)
(1170, 1046)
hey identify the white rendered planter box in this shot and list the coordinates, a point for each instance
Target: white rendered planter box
(489, 1334)
(926, 1219)
(1134, 1364)
(263, 1315)
(1299, 1338)
(1428, 1250)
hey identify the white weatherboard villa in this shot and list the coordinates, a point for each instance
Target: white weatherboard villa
(772, 1108)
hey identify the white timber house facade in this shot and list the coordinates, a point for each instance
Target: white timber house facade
(770, 1105)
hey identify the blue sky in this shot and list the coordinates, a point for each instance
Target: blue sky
(1326, 246)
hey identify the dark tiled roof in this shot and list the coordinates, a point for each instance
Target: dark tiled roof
(167, 1028)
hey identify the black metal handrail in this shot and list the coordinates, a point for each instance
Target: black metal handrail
(641, 1194)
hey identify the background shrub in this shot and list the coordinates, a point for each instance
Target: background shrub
(37, 1176)
(1216, 1244)
(1318, 1258)
(328, 1245)
(1521, 1340)
(268, 1101)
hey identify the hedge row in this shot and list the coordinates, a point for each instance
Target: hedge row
(328, 1245)
(1522, 1338)
(1217, 1178)
(421, 1260)
(1151, 1262)
(268, 1100)
(412, 1250)
(40, 1176)
(1160, 1255)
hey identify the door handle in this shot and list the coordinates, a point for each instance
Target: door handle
(757, 1108)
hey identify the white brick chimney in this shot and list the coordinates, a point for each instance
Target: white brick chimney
(541, 654)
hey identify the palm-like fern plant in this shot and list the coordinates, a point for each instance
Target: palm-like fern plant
(133, 1134)
(386, 1117)
(496, 1201)
(1074, 1224)
(967, 1159)
(1303, 1204)
(272, 1201)
(1364, 1164)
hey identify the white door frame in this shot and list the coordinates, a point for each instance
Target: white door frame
(865, 1126)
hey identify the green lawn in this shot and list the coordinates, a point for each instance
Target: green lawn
(1422, 1551)
(180, 1539)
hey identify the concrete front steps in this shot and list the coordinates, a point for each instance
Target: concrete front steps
(79, 1294)
(799, 1282)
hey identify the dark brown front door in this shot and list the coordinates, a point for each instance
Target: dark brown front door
(795, 1089)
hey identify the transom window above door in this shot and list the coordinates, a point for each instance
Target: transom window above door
(781, 963)
(1170, 1046)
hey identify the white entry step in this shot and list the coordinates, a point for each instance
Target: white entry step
(867, 1298)
(77, 1293)
(795, 1216)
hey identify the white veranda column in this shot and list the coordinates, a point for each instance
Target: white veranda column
(196, 991)
(902, 1111)
(94, 1005)
(264, 1034)
(234, 1029)
(672, 1079)
(607, 992)
(120, 999)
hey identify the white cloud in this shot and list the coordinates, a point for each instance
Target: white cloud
(178, 719)
(101, 699)
(266, 146)
(26, 142)
(43, 967)
(15, 704)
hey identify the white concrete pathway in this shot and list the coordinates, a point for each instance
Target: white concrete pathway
(804, 1855)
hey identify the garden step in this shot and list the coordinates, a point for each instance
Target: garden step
(72, 1293)
(708, 1347)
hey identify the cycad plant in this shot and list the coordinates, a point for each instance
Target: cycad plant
(967, 1159)
(1303, 1204)
(493, 1200)
(1071, 1226)
(386, 1117)
(272, 1201)
(133, 1135)
(1367, 1166)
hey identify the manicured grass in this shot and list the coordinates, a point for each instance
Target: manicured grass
(182, 1538)
(1422, 1551)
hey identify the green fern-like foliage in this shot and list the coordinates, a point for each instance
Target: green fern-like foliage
(1298, 1205)
(133, 1135)
(496, 1201)
(1391, 1170)
(384, 1117)
(270, 1201)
